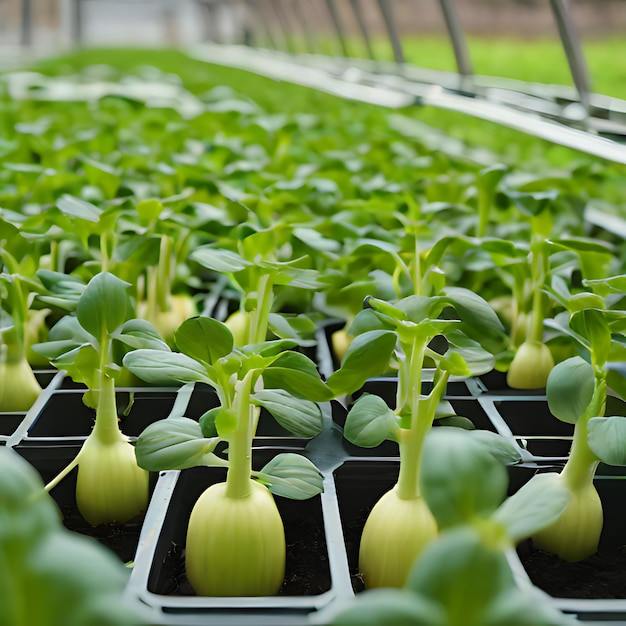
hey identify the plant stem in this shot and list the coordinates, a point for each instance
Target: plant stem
(164, 273)
(62, 474)
(106, 428)
(411, 439)
(535, 323)
(582, 462)
(484, 206)
(259, 318)
(151, 294)
(239, 445)
(104, 252)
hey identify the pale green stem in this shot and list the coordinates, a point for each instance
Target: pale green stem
(418, 287)
(259, 318)
(63, 473)
(582, 462)
(484, 206)
(151, 294)
(411, 439)
(164, 273)
(104, 252)
(13, 346)
(239, 448)
(535, 324)
(106, 428)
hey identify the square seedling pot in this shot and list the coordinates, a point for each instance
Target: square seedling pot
(316, 571)
(593, 590)
(49, 459)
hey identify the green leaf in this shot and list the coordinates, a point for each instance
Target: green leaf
(75, 207)
(225, 421)
(533, 203)
(460, 479)
(390, 607)
(592, 323)
(219, 260)
(174, 443)
(296, 374)
(524, 606)
(207, 422)
(137, 333)
(368, 355)
(149, 210)
(615, 284)
(462, 574)
(81, 365)
(469, 359)
(162, 368)
(370, 422)
(316, 240)
(367, 320)
(536, 505)
(607, 439)
(502, 448)
(204, 339)
(570, 388)
(584, 244)
(479, 320)
(292, 327)
(104, 305)
(292, 476)
(300, 417)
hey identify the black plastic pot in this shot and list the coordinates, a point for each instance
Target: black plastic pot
(316, 573)
(593, 590)
(49, 460)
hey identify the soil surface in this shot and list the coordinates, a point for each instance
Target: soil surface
(601, 576)
(122, 539)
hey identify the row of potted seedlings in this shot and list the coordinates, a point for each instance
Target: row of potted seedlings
(269, 459)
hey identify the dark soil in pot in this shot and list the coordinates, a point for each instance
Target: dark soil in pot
(122, 539)
(601, 576)
(307, 569)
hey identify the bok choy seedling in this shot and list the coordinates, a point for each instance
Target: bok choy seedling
(18, 386)
(464, 577)
(110, 486)
(577, 394)
(533, 360)
(467, 333)
(400, 525)
(158, 304)
(235, 538)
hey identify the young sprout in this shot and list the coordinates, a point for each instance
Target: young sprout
(110, 487)
(164, 309)
(464, 578)
(533, 360)
(18, 386)
(577, 394)
(235, 539)
(400, 525)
